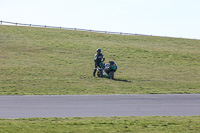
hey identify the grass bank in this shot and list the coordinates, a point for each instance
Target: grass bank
(40, 61)
(153, 124)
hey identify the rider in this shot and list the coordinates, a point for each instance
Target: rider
(97, 59)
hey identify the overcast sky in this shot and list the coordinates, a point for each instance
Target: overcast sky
(174, 18)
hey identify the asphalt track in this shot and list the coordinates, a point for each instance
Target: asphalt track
(99, 105)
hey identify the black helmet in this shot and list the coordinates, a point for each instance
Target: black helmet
(98, 50)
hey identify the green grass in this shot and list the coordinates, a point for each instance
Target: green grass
(41, 61)
(153, 124)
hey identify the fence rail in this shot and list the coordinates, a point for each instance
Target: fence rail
(78, 29)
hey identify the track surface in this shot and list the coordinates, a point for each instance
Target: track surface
(99, 105)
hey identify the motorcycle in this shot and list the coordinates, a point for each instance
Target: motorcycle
(107, 70)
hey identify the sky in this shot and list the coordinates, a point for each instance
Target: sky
(172, 18)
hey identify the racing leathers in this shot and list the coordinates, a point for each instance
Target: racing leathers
(99, 57)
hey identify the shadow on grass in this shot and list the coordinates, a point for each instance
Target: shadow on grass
(122, 80)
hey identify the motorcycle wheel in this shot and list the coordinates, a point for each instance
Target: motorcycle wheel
(99, 74)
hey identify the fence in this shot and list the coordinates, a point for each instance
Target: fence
(78, 29)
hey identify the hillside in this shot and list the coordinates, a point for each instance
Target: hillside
(42, 61)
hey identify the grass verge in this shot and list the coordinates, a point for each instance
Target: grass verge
(155, 124)
(40, 61)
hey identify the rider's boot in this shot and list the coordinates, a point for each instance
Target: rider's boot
(94, 72)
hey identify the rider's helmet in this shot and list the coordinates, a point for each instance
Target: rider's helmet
(98, 50)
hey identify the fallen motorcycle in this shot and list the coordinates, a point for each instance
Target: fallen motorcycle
(107, 70)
